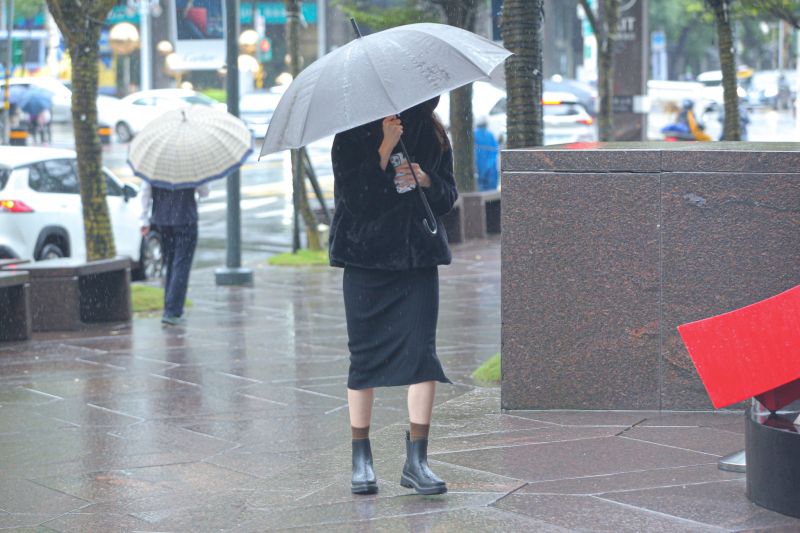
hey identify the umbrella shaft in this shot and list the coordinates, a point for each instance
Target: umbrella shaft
(430, 219)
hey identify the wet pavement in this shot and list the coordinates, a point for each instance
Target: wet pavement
(238, 422)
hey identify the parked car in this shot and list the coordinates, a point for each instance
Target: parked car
(583, 92)
(41, 216)
(137, 109)
(566, 120)
(256, 110)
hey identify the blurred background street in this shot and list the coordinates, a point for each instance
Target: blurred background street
(267, 187)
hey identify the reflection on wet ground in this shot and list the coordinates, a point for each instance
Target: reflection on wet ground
(239, 422)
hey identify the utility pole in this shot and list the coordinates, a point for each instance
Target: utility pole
(233, 273)
(9, 60)
(145, 47)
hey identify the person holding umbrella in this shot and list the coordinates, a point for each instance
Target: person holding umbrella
(37, 103)
(174, 212)
(391, 284)
(393, 180)
(176, 155)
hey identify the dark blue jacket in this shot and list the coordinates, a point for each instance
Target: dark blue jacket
(173, 208)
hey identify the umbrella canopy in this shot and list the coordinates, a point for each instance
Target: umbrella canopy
(185, 148)
(375, 76)
(16, 93)
(35, 100)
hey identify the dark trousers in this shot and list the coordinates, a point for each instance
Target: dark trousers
(178, 244)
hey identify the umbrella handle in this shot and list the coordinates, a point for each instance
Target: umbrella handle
(430, 220)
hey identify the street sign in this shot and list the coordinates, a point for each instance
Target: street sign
(658, 41)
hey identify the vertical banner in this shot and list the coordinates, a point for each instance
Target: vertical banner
(631, 66)
(198, 31)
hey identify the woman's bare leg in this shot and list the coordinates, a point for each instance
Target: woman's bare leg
(420, 402)
(359, 403)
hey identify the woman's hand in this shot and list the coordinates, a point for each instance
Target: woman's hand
(403, 177)
(392, 131)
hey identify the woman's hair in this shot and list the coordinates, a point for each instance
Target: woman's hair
(441, 133)
(427, 113)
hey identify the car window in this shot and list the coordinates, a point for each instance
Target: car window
(4, 174)
(112, 187)
(562, 110)
(198, 99)
(54, 176)
(144, 101)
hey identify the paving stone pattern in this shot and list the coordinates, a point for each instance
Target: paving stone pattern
(238, 422)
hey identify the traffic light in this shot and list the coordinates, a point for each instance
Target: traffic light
(265, 49)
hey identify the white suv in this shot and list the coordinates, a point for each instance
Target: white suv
(41, 215)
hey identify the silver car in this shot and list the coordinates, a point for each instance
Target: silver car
(256, 110)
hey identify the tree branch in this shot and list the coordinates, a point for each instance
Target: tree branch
(62, 20)
(100, 10)
(590, 16)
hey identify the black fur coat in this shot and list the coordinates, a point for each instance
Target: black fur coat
(376, 227)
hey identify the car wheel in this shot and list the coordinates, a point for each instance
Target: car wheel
(50, 251)
(124, 133)
(151, 261)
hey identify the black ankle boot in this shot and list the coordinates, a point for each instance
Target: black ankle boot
(417, 474)
(364, 481)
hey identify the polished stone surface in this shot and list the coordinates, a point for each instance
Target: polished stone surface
(608, 247)
(580, 291)
(238, 422)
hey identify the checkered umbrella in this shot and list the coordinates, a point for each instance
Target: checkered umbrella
(185, 148)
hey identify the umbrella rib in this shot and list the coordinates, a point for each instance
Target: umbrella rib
(385, 90)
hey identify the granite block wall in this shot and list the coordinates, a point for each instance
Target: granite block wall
(608, 247)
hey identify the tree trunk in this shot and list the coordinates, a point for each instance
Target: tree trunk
(522, 26)
(81, 26)
(461, 124)
(298, 182)
(461, 13)
(605, 69)
(727, 61)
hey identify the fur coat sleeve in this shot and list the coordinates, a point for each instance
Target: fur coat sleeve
(376, 227)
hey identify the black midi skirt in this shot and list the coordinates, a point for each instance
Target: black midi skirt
(391, 326)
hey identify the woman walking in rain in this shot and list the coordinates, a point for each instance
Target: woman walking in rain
(391, 283)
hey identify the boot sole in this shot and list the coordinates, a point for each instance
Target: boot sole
(408, 483)
(364, 488)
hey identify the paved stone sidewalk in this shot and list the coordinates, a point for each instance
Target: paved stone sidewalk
(238, 422)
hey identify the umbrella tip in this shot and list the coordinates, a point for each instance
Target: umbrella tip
(355, 27)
